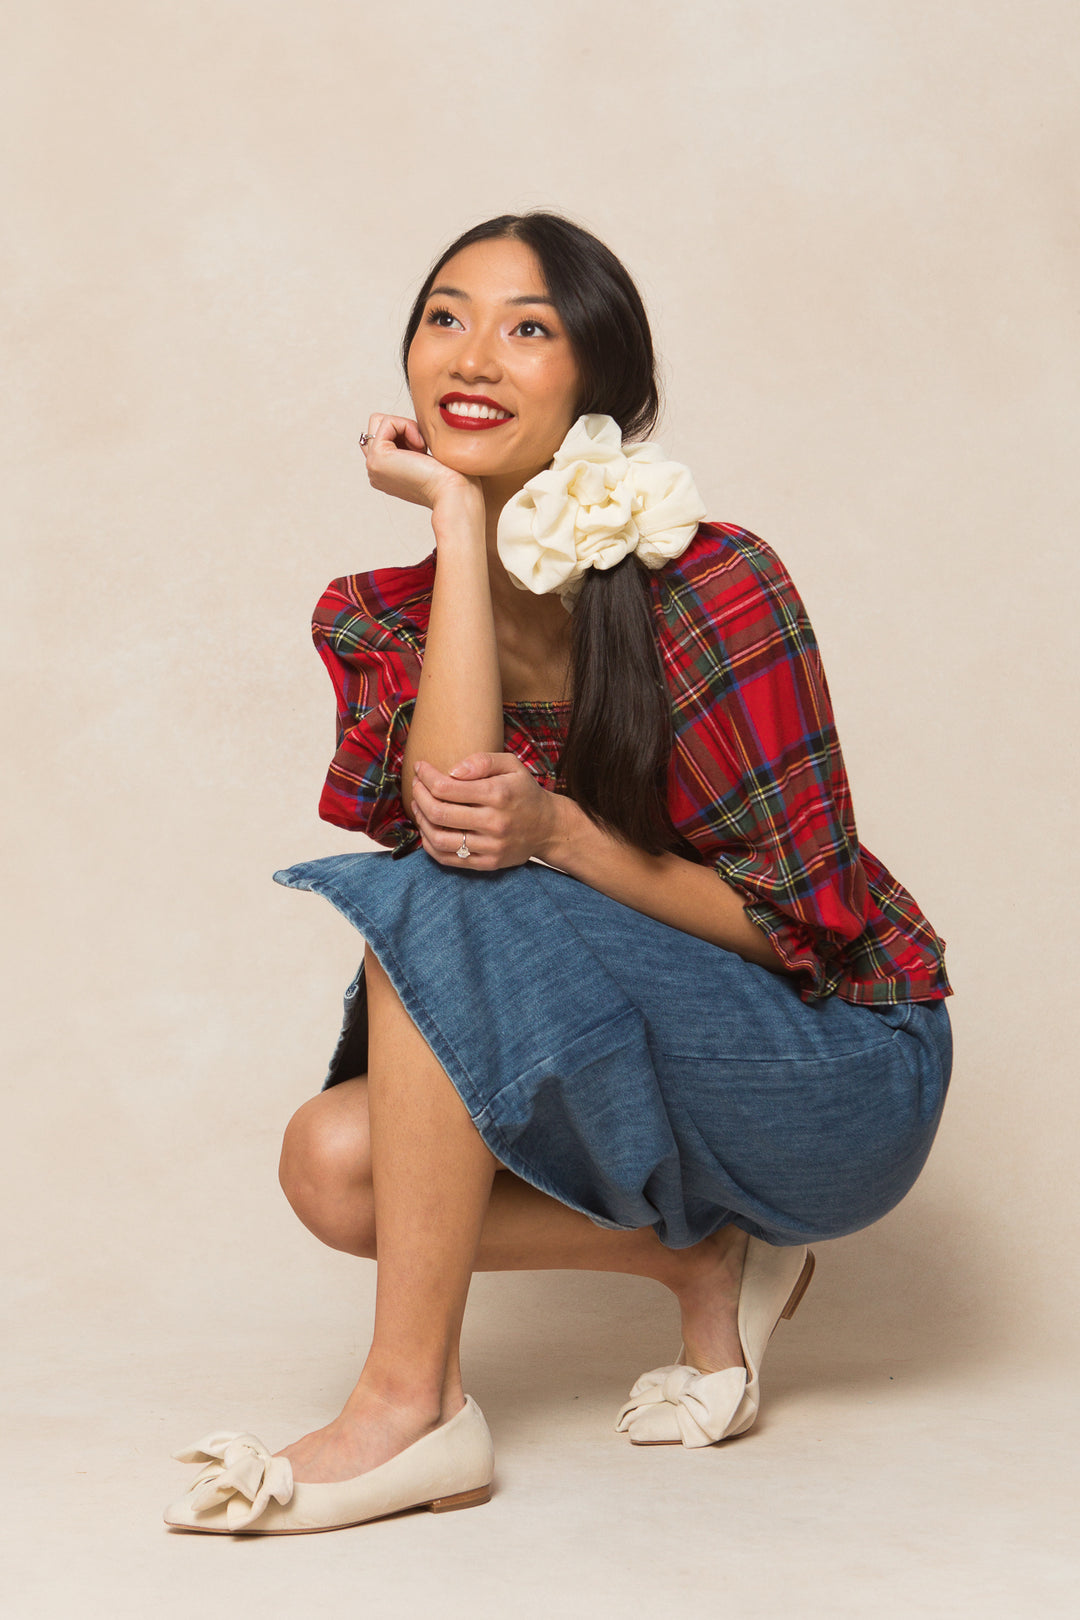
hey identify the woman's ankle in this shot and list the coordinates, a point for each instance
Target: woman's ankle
(702, 1264)
(413, 1401)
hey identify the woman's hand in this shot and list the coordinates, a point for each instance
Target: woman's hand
(398, 464)
(494, 800)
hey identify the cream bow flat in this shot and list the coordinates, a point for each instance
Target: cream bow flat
(678, 1404)
(245, 1490)
(241, 1478)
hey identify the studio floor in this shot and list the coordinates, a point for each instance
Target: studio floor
(885, 1483)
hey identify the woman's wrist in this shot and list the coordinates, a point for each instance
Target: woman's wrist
(584, 849)
(458, 511)
(567, 824)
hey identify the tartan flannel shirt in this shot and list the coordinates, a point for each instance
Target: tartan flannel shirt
(756, 784)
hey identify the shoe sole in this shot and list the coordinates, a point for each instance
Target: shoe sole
(795, 1297)
(793, 1303)
(439, 1504)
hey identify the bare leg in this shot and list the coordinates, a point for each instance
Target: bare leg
(327, 1174)
(431, 1182)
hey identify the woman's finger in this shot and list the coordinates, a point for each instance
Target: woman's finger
(399, 432)
(444, 842)
(463, 790)
(475, 766)
(443, 813)
(366, 439)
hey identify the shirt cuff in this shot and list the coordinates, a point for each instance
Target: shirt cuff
(406, 839)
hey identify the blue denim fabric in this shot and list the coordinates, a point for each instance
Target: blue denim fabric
(634, 1072)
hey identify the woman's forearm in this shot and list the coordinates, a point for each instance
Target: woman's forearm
(459, 697)
(673, 890)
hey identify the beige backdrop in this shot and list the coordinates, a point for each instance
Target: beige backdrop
(854, 224)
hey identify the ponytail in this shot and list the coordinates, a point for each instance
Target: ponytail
(618, 745)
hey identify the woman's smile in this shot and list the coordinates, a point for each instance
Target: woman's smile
(472, 412)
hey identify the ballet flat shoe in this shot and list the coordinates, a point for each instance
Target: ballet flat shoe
(677, 1404)
(246, 1491)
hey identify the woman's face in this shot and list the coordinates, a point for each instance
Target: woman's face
(492, 376)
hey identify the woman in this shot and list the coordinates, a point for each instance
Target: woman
(633, 998)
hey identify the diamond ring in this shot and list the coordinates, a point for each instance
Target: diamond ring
(464, 852)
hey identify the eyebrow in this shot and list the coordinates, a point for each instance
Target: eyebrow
(456, 292)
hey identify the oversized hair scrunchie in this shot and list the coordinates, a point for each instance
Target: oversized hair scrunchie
(598, 501)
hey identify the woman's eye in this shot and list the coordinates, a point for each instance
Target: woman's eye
(447, 320)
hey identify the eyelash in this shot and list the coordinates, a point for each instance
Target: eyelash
(434, 316)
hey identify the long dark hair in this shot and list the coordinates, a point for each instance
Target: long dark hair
(620, 736)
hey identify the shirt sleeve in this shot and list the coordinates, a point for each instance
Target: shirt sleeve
(758, 784)
(375, 670)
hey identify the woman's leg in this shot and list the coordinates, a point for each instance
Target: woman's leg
(332, 1172)
(326, 1174)
(431, 1182)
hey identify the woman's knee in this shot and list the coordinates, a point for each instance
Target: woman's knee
(325, 1167)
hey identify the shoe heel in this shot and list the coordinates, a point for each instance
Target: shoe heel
(463, 1499)
(800, 1288)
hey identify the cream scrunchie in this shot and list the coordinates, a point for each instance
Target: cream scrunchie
(598, 501)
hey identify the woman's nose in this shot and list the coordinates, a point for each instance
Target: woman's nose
(477, 360)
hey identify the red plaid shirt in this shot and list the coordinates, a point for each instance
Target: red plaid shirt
(756, 784)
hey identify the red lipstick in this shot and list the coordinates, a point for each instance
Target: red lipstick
(472, 424)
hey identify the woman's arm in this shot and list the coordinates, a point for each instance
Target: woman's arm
(508, 817)
(459, 698)
(673, 890)
(458, 707)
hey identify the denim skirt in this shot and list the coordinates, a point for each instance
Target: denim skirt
(632, 1071)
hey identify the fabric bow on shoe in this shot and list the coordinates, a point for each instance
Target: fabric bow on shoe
(243, 1475)
(680, 1403)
